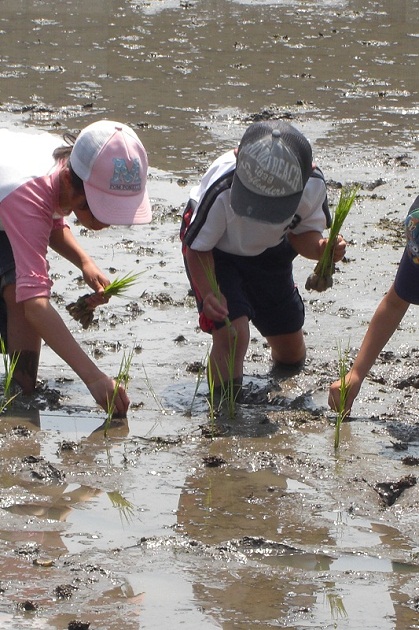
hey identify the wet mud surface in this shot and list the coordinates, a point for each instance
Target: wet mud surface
(176, 519)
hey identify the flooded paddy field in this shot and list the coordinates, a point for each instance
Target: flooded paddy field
(248, 522)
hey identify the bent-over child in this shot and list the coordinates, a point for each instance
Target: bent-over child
(101, 177)
(255, 209)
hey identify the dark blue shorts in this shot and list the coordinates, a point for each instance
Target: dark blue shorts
(7, 261)
(262, 289)
(406, 283)
(7, 276)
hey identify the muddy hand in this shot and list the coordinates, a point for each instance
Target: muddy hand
(102, 390)
(334, 394)
(214, 308)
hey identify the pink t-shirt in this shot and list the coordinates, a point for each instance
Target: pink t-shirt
(29, 206)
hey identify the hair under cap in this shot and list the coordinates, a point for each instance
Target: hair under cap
(112, 162)
(274, 162)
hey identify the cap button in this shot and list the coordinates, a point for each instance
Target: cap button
(118, 127)
(276, 133)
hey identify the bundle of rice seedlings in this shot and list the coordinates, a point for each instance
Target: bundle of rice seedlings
(322, 276)
(122, 378)
(83, 313)
(343, 390)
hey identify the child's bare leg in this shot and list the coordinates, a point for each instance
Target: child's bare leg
(288, 351)
(228, 339)
(22, 339)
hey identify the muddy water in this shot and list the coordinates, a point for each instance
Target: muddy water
(255, 521)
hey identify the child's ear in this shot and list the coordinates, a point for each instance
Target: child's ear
(236, 150)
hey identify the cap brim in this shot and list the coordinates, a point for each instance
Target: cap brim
(118, 210)
(261, 208)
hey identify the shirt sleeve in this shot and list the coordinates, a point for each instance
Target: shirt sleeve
(310, 209)
(213, 228)
(212, 198)
(27, 220)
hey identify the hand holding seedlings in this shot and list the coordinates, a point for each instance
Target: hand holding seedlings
(321, 280)
(334, 248)
(82, 310)
(104, 390)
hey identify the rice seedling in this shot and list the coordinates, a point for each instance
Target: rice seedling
(343, 390)
(83, 313)
(122, 378)
(228, 388)
(322, 276)
(199, 379)
(211, 402)
(9, 364)
(153, 393)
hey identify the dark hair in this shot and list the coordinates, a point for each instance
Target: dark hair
(63, 153)
(76, 181)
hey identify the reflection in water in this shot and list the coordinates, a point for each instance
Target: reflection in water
(336, 573)
(38, 538)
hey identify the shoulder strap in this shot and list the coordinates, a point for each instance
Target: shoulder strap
(318, 173)
(190, 230)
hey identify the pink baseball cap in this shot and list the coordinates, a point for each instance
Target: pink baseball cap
(112, 162)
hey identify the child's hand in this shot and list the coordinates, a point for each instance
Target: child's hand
(93, 277)
(97, 281)
(102, 390)
(334, 393)
(214, 308)
(339, 249)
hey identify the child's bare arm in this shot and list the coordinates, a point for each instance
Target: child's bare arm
(49, 325)
(201, 265)
(386, 318)
(63, 242)
(311, 245)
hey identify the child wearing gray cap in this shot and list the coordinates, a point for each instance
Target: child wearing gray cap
(255, 209)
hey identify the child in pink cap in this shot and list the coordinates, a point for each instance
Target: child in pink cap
(102, 179)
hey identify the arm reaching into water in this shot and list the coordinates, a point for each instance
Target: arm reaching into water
(200, 265)
(49, 325)
(386, 318)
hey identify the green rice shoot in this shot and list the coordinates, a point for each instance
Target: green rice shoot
(228, 389)
(9, 364)
(212, 280)
(122, 378)
(199, 379)
(343, 364)
(211, 402)
(120, 286)
(325, 266)
(153, 392)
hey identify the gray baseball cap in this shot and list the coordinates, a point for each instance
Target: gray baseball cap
(274, 162)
